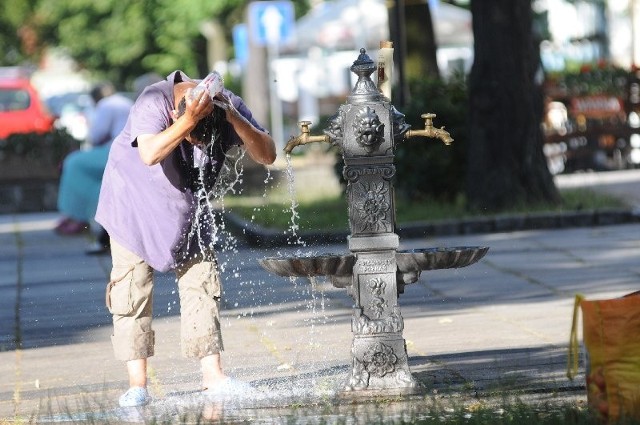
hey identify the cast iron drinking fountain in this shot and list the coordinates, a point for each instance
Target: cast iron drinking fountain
(366, 128)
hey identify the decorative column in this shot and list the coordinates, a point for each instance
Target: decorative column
(366, 129)
(367, 125)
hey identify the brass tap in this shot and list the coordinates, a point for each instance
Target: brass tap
(430, 130)
(304, 137)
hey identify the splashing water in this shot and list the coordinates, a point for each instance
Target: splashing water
(258, 209)
(318, 316)
(208, 229)
(294, 239)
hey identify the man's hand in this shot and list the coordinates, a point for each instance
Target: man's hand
(225, 103)
(199, 107)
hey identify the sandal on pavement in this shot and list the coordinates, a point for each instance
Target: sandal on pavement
(70, 227)
(134, 397)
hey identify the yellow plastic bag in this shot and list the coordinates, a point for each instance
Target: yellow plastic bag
(611, 334)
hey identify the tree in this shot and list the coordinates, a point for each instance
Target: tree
(115, 39)
(506, 164)
(421, 42)
(18, 39)
(121, 40)
(412, 32)
(108, 38)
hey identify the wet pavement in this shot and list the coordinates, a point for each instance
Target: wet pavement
(500, 326)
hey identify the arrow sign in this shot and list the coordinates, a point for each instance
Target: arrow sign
(241, 43)
(270, 22)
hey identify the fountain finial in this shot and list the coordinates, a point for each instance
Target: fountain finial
(365, 90)
(363, 62)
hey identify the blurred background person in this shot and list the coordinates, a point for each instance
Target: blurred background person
(82, 170)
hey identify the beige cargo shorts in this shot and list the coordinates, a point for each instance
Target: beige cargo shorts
(129, 298)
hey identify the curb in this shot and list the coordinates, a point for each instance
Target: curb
(259, 236)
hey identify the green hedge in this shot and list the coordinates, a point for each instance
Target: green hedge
(34, 156)
(426, 168)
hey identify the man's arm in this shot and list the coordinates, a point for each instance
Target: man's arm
(153, 148)
(259, 144)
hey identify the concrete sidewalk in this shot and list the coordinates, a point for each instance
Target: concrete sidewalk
(499, 325)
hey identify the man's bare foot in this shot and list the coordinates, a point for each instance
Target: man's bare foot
(212, 383)
(229, 387)
(212, 374)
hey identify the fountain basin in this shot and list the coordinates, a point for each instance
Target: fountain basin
(438, 258)
(340, 267)
(303, 266)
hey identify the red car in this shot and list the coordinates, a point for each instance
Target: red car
(21, 110)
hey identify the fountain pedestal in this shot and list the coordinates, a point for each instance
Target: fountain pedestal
(366, 129)
(378, 351)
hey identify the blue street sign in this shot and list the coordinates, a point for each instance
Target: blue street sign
(270, 22)
(241, 43)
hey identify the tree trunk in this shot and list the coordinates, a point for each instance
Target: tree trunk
(421, 41)
(412, 32)
(506, 164)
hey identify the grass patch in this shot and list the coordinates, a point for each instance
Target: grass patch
(330, 213)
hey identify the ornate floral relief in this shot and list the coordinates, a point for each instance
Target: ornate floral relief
(380, 360)
(377, 286)
(371, 201)
(368, 130)
(377, 304)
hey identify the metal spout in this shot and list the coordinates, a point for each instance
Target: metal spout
(304, 137)
(430, 131)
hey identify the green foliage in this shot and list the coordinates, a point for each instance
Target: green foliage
(177, 35)
(15, 17)
(278, 215)
(119, 40)
(426, 168)
(108, 37)
(53, 146)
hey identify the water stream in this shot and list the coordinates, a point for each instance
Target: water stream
(294, 238)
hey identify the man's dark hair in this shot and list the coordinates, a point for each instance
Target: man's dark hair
(208, 129)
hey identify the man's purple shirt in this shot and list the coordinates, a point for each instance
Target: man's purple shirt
(149, 209)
